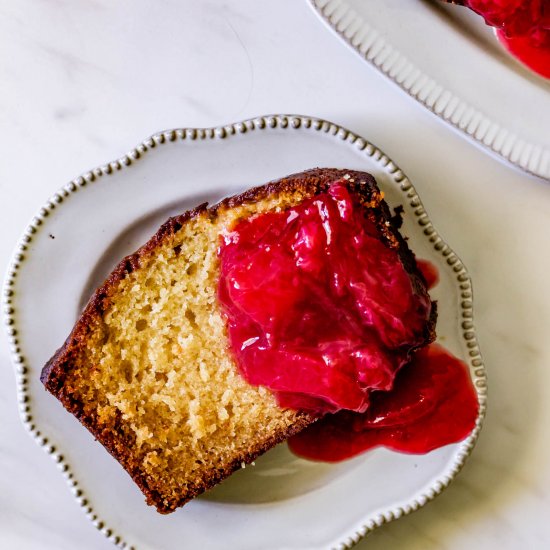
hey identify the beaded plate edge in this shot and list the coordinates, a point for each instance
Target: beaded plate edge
(262, 123)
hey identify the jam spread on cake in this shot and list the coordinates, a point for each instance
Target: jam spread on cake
(321, 311)
(523, 27)
(433, 403)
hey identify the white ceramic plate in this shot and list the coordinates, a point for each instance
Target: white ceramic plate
(78, 236)
(449, 60)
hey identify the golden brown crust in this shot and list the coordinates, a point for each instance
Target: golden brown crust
(114, 439)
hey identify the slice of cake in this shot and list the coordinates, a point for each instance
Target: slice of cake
(152, 370)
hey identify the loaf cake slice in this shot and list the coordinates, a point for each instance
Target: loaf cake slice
(147, 367)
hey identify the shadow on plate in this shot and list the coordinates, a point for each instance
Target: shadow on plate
(278, 475)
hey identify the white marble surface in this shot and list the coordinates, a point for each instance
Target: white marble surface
(82, 82)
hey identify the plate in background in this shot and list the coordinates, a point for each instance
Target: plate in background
(447, 59)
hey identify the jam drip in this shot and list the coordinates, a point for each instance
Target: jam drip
(319, 306)
(433, 403)
(536, 57)
(429, 271)
(523, 26)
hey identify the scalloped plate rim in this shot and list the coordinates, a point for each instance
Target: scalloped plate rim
(265, 123)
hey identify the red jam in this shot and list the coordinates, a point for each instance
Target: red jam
(433, 403)
(523, 26)
(429, 271)
(535, 57)
(319, 309)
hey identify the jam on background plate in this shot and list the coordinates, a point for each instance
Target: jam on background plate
(305, 504)
(522, 26)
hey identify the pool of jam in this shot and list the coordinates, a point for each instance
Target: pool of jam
(433, 403)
